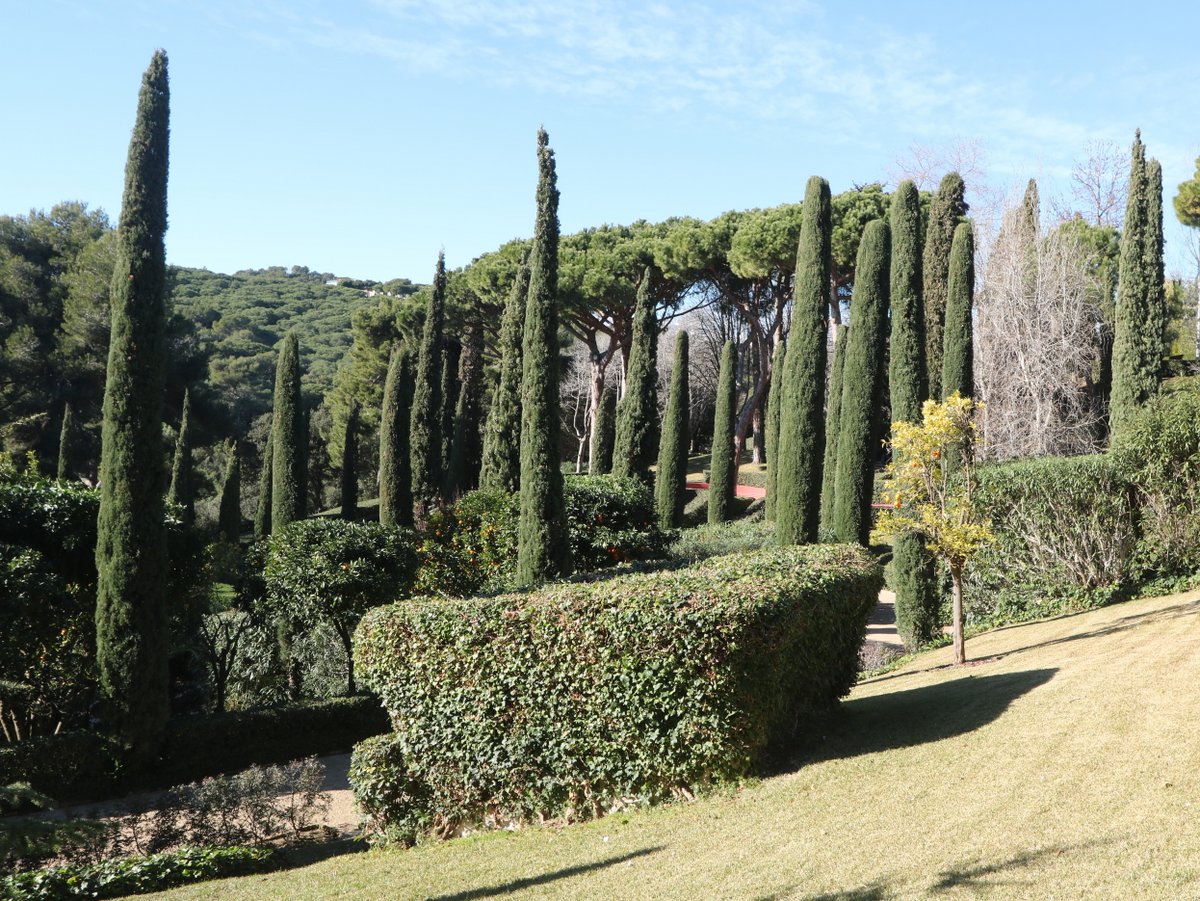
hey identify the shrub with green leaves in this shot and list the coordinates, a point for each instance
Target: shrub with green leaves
(587, 696)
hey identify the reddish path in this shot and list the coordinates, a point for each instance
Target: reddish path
(752, 491)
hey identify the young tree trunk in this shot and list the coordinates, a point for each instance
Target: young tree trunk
(960, 650)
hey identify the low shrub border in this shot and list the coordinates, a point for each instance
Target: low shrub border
(584, 697)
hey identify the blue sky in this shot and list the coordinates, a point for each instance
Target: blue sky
(360, 137)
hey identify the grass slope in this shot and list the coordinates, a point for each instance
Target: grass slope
(1066, 766)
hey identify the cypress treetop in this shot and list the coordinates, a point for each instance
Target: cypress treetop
(833, 419)
(958, 372)
(945, 211)
(501, 466)
(288, 438)
(862, 388)
(543, 547)
(425, 420)
(262, 516)
(774, 401)
(131, 550)
(1156, 280)
(907, 376)
(670, 476)
(180, 491)
(604, 436)
(395, 489)
(802, 407)
(637, 413)
(229, 515)
(349, 482)
(722, 480)
(67, 451)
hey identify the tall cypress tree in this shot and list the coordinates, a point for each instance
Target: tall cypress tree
(1153, 252)
(833, 419)
(262, 516)
(945, 211)
(395, 480)
(671, 474)
(722, 478)
(862, 387)
(1137, 342)
(349, 492)
(287, 438)
(774, 402)
(67, 450)
(802, 408)
(180, 491)
(451, 354)
(907, 376)
(131, 548)
(465, 452)
(501, 466)
(425, 420)
(637, 412)
(543, 548)
(958, 370)
(229, 512)
(604, 434)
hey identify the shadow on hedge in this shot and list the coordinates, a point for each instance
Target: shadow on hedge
(916, 716)
(517, 885)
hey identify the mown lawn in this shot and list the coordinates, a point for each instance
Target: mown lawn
(1066, 766)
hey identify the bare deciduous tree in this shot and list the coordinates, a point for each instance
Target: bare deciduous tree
(1099, 183)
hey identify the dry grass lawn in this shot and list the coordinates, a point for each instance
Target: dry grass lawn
(1064, 765)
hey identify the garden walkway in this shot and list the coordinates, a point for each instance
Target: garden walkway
(750, 491)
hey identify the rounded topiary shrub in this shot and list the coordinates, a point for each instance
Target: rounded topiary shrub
(395, 804)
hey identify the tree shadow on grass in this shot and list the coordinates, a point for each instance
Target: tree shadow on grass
(915, 716)
(505, 888)
(977, 876)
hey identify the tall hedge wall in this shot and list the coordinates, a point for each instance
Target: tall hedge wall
(574, 699)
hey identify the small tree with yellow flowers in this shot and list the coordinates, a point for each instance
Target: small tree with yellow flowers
(930, 486)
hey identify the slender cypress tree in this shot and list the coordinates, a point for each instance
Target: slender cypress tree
(833, 419)
(671, 474)
(425, 425)
(262, 516)
(604, 434)
(451, 354)
(501, 467)
(862, 387)
(947, 208)
(802, 407)
(349, 492)
(180, 491)
(1153, 252)
(722, 473)
(958, 370)
(131, 548)
(907, 376)
(637, 412)
(465, 452)
(1137, 342)
(543, 547)
(395, 488)
(287, 439)
(774, 402)
(67, 451)
(229, 515)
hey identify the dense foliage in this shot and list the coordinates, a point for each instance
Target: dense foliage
(637, 432)
(395, 463)
(670, 475)
(771, 427)
(289, 438)
(833, 429)
(907, 377)
(945, 211)
(958, 374)
(606, 693)
(723, 468)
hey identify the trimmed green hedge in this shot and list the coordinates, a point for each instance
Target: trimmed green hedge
(583, 697)
(1066, 531)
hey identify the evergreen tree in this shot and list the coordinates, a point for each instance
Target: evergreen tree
(833, 419)
(451, 354)
(1153, 252)
(604, 434)
(862, 387)
(395, 488)
(349, 492)
(637, 412)
(945, 211)
(180, 491)
(425, 425)
(671, 475)
(68, 452)
(465, 452)
(287, 439)
(907, 376)
(131, 548)
(1137, 342)
(802, 413)
(722, 479)
(229, 516)
(262, 516)
(958, 372)
(543, 546)
(501, 467)
(774, 402)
